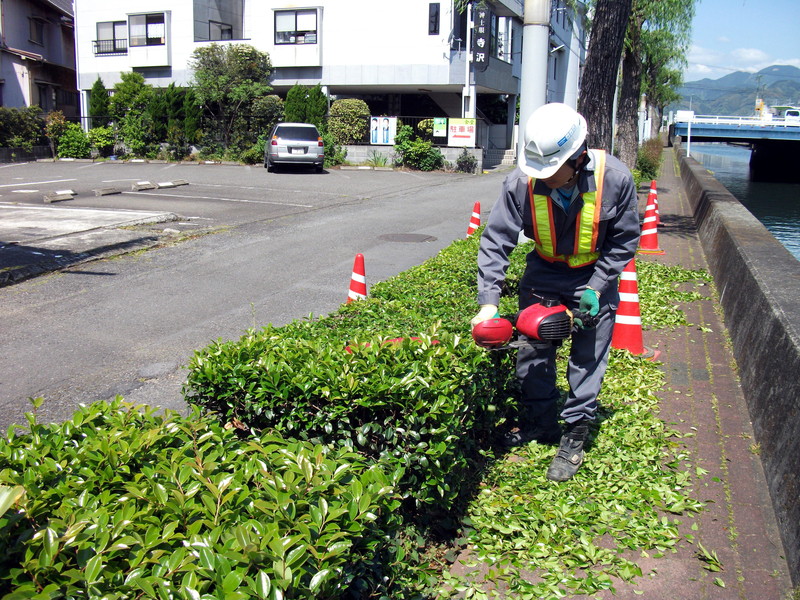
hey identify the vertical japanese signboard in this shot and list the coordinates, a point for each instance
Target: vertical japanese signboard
(461, 132)
(480, 38)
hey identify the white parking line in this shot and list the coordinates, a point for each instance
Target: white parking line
(222, 199)
(35, 182)
(261, 188)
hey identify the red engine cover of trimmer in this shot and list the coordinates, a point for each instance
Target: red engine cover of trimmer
(493, 333)
(542, 322)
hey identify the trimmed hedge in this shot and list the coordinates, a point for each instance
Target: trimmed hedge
(414, 394)
(120, 502)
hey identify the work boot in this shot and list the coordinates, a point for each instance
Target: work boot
(543, 429)
(569, 456)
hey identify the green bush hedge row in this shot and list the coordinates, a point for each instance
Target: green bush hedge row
(395, 377)
(120, 502)
(288, 484)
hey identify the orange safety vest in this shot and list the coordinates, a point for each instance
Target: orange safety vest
(586, 224)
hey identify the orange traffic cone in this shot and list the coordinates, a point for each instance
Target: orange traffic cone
(648, 243)
(475, 220)
(652, 198)
(628, 324)
(358, 280)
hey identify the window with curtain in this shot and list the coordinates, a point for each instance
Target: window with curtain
(147, 30)
(296, 26)
(112, 37)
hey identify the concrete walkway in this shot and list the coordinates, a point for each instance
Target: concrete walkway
(702, 396)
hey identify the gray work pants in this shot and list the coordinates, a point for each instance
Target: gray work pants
(536, 362)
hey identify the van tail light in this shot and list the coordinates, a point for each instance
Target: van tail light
(274, 140)
(319, 142)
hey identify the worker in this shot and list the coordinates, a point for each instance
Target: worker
(580, 207)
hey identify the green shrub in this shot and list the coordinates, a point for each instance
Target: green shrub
(417, 153)
(648, 159)
(21, 127)
(121, 502)
(334, 153)
(255, 154)
(74, 143)
(425, 129)
(134, 133)
(54, 128)
(348, 122)
(466, 162)
(102, 139)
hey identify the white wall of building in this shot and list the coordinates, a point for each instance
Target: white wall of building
(360, 46)
(359, 42)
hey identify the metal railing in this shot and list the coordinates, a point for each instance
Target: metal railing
(739, 120)
(110, 46)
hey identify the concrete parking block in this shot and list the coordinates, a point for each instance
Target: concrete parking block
(142, 185)
(58, 197)
(107, 191)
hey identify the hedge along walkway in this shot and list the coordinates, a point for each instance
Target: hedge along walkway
(730, 548)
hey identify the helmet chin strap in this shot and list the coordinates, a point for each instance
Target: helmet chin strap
(578, 168)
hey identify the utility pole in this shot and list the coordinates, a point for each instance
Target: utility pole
(535, 51)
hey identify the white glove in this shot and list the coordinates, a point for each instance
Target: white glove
(487, 311)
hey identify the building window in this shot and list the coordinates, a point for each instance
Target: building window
(296, 26)
(147, 30)
(219, 31)
(36, 30)
(112, 38)
(433, 18)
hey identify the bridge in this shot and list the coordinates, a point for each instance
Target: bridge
(773, 140)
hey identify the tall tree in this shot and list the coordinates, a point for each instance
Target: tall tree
(662, 65)
(306, 105)
(227, 79)
(98, 105)
(674, 16)
(128, 107)
(131, 94)
(599, 80)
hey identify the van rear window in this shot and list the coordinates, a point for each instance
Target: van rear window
(306, 134)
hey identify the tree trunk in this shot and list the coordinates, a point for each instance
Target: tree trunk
(599, 80)
(657, 115)
(627, 145)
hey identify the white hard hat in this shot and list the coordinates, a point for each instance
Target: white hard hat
(553, 134)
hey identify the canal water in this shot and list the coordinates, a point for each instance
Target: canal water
(776, 205)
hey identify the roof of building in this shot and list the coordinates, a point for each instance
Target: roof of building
(62, 6)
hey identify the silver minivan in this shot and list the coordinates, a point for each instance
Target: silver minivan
(294, 144)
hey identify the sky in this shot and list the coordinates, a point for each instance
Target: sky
(742, 35)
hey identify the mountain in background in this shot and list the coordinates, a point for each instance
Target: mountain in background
(736, 93)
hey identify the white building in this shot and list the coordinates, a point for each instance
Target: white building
(406, 58)
(37, 55)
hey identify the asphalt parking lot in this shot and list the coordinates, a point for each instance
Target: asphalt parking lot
(58, 214)
(235, 248)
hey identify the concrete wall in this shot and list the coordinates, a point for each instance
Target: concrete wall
(759, 286)
(361, 154)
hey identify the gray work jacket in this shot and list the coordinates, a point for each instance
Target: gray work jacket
(618, 235)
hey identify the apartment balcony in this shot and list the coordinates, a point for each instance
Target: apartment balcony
(114, 47)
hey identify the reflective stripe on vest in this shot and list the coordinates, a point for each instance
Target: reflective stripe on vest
(586, 224)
